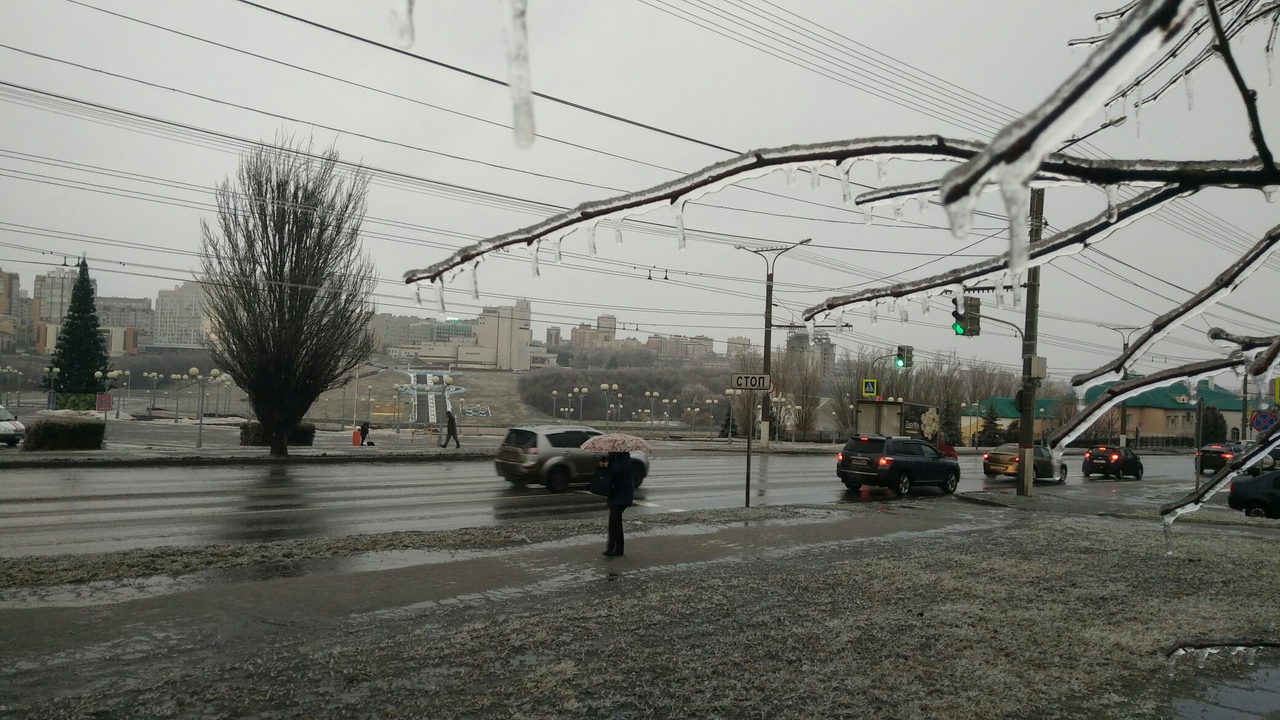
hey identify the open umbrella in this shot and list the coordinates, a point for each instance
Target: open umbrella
(617, 442)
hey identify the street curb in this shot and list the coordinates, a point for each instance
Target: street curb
(207, 460)
(963, 497)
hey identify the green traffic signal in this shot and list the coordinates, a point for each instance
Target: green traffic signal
(957, 328)
(899, 362)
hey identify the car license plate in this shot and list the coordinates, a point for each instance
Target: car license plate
(859, 460)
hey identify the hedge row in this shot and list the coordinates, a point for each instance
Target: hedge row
(64, 433)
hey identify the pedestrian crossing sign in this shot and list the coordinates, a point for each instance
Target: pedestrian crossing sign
(869, 387)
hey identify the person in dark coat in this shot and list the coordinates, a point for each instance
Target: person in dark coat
(364, 433)
(621, 496)
(452, 429)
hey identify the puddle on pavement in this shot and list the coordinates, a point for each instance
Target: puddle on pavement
(109, 592)
(1227, 688)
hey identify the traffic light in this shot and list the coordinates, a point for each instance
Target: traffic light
(968, 316)
(904, 357)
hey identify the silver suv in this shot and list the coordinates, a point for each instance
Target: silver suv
(552, 455)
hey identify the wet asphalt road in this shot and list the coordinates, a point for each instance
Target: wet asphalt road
(101, 509)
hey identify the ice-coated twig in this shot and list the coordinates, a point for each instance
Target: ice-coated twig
(1227, 644)
(1205, 55)
(515, 25)
(1016, 152)
(1249, 96)
(1244, 342)
(1068, 242)
(1222, 285)
(1266, 359)
(1195, 32)
(1242, 461)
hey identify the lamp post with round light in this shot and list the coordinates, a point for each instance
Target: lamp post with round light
(582, 396)
(194, 374)
(177, 396)
(555, 395)
(154, 378)
(653, 398)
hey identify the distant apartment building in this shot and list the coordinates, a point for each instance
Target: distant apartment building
(607, 325)
(179, 322)
(585, 336)
(825, 352)
(697, 347)
(736, 346)
(51, 294)
(119, 341)
(501, 338)
(400, 330)
(10, 293)
(798, 340)
(12, 322)
(125, 312)
(553, 336)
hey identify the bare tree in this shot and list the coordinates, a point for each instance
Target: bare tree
(287, 284)
(807, 392)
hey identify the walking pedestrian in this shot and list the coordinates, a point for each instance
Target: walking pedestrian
(621, 495)
(452, 430)
(364, 433)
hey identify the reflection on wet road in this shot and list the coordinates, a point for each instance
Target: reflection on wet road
(97, 510)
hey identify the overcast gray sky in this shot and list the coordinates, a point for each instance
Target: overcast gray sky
(77, 179)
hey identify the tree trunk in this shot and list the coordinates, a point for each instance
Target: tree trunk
(279, 440)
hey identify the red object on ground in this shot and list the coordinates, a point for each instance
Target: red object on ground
(355, 436)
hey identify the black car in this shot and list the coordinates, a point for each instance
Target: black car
(1256, 496)
(897, 463)
(1263, 464)
(1109, 460)
(1215, 456)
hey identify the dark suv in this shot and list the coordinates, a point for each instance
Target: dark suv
(897, 463)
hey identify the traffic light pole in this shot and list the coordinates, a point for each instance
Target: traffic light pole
(1027, 428)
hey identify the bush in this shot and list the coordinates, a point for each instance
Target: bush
(64, 432)
(77, 401)
(251, 433)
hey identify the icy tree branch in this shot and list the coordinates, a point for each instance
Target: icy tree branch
(1265, 360)
(1068, 242)
(1244, 342)
(1221, 286)
(1117, 393)
(712, 178)
(1242, 461)
(1250, 97)
(1015, 153)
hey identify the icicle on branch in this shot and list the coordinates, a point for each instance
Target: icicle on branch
(1068, 242)
(1220, 287)
(714, 178)
(1015, 153)
(515, 25)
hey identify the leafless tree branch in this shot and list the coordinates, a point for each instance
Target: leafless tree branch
(1250, 97)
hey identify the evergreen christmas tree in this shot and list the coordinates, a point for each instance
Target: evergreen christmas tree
(991, 434)
(81, 349)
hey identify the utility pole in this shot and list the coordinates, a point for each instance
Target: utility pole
(770, 256)
(1027, 428)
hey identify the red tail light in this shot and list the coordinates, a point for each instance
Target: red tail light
(1088, 454)
(839, 457)
(985, 456)
(1227, 456)
(1114, 457)
(1017, 458)
(885, 461)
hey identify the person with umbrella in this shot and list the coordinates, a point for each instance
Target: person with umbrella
(621, 496)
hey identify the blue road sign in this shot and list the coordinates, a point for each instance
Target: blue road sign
(869, 387)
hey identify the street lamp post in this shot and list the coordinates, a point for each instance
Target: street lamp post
(194, 373)
(770, 256)
(154, 378)
(1126, 332)
(177, 399)
(128, 391)
(368, 414)
(51, 381)
(554, 394)
(582, 395)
